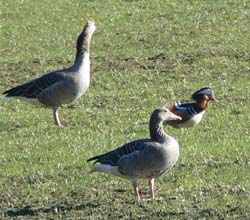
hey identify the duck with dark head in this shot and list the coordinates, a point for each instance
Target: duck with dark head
(192, 112)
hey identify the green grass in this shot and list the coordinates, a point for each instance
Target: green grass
(144, 54)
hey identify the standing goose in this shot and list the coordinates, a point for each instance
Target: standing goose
(144, 158)
(61, 86)
(192, 112)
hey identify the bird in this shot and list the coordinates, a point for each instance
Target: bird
(192, 112)
(61, 86)
(143, 158)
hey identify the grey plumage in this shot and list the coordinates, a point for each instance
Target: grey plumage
(34, 88)
(62, 86)
(144, 158)
(113, 157)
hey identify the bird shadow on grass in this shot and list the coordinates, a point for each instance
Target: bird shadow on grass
(54, 209)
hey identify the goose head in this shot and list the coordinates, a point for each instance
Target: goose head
(90, 27)
(83, 40)
(162, 115)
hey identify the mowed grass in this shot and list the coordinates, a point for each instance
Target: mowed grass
(144, 54)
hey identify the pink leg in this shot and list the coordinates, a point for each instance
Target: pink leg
(137, 191)
(56, 118)
(152, 187)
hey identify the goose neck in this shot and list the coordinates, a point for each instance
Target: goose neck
(82, 46)
(157, 132)
(81, 59)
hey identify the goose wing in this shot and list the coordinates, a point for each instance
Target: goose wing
(34, 87)
(112, 157)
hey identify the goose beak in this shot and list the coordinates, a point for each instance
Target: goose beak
(91, 25)
(174, 117)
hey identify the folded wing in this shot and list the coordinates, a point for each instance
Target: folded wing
(34, 87)
(112, 157)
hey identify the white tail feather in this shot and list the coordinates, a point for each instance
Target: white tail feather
(105, 168)
(29, 100)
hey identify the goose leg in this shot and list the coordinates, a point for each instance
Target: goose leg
(152, 187)
(137, 191)
(56, 117)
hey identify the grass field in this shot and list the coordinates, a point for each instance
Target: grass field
(144, 54)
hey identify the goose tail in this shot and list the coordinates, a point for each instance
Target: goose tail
(26, 90)
(105, 168)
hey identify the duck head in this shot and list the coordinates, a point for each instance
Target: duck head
(203, 96)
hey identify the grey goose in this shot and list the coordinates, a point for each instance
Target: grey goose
(61, 86)
(143, 158)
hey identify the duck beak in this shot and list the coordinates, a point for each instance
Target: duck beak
(212, 98)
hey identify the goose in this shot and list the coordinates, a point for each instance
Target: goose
(192, 112)
(61, 86)
(143, 158)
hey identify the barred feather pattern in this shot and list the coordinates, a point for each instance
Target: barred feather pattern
(34, 87)
(114, 156)
(186, 110)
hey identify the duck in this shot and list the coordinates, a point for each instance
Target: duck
(192, 112)
(143, 158)
(64, 86)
